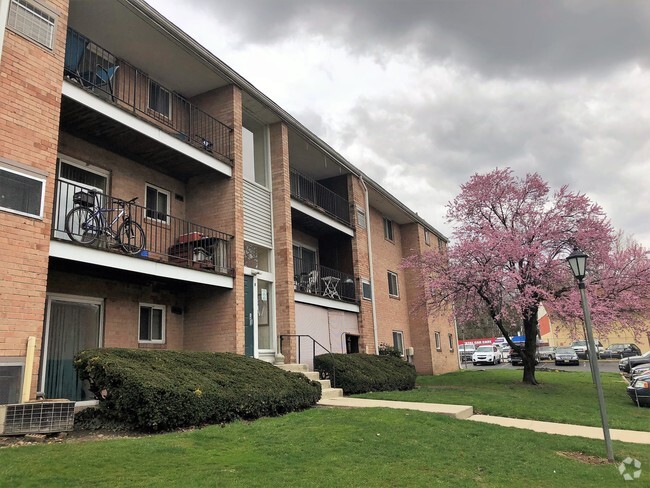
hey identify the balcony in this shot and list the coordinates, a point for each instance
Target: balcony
(101, 73)
(165, 239)
(316, 195)
(323, 281)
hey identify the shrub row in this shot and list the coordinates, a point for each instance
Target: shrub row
(362, 373)
(161, 390)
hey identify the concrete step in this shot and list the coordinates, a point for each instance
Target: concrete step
(331, 393)
(324, 384)
(312, 375)
(297, 368)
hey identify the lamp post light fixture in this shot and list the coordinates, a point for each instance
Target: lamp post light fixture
(578, 262)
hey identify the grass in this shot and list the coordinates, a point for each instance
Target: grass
(322, 447)
(566, 397)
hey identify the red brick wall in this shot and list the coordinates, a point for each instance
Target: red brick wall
(392, 313)
(282, 233)
(361, 264)
(30, 101)
(215, 322)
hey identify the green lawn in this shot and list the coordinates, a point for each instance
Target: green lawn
(322, 447)
(567, 397)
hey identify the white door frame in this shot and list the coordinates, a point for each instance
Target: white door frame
(46, 339)
(265, 276)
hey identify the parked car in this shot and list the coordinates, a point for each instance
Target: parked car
(626, 364)
(566, 355)
(486, 354)
(580, 347)
(621, 351)
(517, 360)
(640, 370)
(546, 352)
(639, 391)
(466, 352)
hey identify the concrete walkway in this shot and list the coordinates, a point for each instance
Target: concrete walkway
(466, 412)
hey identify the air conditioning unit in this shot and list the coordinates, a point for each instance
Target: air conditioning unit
(409, 351)
(37, 417)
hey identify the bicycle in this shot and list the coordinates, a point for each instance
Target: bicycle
(86, 222)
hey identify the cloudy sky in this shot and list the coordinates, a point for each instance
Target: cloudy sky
(420, 95)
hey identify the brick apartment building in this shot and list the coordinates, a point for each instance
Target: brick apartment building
(247, 231)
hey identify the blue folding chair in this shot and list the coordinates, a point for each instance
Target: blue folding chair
(104, 77)
(75, 47)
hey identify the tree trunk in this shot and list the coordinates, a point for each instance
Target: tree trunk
(530, 346)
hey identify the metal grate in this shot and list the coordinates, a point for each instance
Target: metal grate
(26, 418)
(31, 22)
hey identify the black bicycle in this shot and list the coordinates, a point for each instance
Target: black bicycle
(88, 221)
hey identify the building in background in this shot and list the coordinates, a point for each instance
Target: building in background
(247, 233)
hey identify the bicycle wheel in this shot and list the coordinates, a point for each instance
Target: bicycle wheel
(131, 237)
(82, 226)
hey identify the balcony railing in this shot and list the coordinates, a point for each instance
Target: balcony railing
(115, 80)
(167, 239)
(323, 281)
(311, 192)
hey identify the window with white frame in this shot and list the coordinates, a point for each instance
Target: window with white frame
(451, 342)
(438, 345)
(393, 288)
(388, 229)
(21, 192)
(151, 326)
(361, 218)
(366, 290)
(398, 341)
(160, 99)
(157, 203)
(32, 21)
(427, 238)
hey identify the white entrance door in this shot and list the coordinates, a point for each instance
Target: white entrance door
(74, 176)
(72, 325)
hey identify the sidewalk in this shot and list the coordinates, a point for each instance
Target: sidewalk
(467, 412)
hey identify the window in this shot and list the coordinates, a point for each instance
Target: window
(393, 289)
(21, 193)
(427, 238)
(257, 257)
(152, 323)
(160, 100)
(388, 229)
(157, 203)
(441, 245)
(438, 346)
(366, 290)
(451, 342)
(398, 341)
(32, 22)
(361, 218)
(254, 152)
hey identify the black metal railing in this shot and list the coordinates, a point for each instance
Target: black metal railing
(314, 343)
(111, 78)
(310, 191)
(167, 239)
(323, 281)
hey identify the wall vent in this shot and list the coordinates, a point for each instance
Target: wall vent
(37, 417)
(32, 22)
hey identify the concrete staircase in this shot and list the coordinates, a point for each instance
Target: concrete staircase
(327, 390)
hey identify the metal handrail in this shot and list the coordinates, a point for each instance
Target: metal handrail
(101, 72)
(314, 342)
(316, 194)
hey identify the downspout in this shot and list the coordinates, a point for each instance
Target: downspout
(372, 280)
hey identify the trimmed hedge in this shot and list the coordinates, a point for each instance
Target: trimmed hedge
(153, 390)
(362, 373)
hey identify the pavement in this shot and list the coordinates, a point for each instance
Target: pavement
(467, 412)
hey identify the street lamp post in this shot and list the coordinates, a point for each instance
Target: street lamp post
(578, 262)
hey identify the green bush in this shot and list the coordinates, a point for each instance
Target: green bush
(161, 390)
(362, 373)
(388, 350)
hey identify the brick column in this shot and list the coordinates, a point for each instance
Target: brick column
(285, 312)
(30, 104)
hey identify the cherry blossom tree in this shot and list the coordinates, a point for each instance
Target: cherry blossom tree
(507, 256)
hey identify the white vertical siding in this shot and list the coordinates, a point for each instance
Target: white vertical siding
(257, 215)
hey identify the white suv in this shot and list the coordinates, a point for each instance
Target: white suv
(580, 347)
(486, 354)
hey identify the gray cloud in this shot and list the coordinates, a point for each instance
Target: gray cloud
(496, 37)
